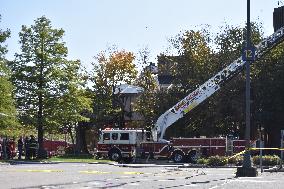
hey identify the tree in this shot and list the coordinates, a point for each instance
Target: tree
(229, 102)
(195, 63)
(267, 95)
(190, 68)
(41, 74)
(7, 106)
(73, 106)
(110, 70)
(146, 104)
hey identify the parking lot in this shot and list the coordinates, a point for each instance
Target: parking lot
(81, 175)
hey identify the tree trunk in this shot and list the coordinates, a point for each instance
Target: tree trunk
(81, 146)
(41, 151)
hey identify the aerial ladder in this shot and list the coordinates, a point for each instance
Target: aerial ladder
(210, 87)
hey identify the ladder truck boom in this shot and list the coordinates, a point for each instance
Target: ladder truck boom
(210, 87)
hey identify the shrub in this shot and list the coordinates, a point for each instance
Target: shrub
(217, 161)
(237, 160)
(203, 161)
(267, 160)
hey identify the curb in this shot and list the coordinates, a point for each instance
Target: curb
(51, 162)
(180, 165)
(29, 162)
(143, 165)
(274, 169)
(1, 163)
(109, 163)
(48, 162)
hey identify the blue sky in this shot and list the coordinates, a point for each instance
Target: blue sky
(93, 25)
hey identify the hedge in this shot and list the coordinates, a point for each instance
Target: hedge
(267, 160)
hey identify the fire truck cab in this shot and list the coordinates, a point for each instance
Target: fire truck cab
(117, 144)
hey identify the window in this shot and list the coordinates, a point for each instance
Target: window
(106, 136)
(114, 136)
(124, 136)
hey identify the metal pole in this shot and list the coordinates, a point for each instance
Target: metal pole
(247, 160)
(260, 154)
(260, 150)
(281, 146)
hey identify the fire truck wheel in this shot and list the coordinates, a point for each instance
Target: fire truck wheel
(178, 157)
(193, 156)
(114, 155)
(98, 156)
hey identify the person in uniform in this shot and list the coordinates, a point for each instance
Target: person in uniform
(27, 147)
(33, 147)
(20, 147)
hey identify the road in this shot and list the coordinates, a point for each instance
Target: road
(79, 175)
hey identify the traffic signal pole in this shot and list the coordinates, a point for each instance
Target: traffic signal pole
(247, 169)
(247, 159)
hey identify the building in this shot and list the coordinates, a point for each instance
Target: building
(129, 94)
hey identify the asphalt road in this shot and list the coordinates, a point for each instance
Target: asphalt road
(79, 175)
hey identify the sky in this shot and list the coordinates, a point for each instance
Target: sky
(92, 26)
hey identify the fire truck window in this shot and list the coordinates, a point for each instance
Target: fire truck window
(124, 136)
(106, 136)
(114, 136)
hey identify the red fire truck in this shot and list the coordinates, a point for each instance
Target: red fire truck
(55, 147)
(118, 144)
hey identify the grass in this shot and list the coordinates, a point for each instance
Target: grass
(65, 158)
(76, 158)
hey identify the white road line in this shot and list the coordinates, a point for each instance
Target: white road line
(255, 181)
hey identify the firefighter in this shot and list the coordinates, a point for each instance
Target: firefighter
(20, 147)
(32, 147)
(9, 149)
(27, 147)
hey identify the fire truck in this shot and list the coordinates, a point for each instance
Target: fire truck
(120, 144)
(124, 144)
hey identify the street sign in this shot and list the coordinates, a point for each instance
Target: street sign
(248, 53)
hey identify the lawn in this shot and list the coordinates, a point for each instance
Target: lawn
(76, 158)
(64, 158)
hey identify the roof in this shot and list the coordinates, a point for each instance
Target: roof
(128, 89)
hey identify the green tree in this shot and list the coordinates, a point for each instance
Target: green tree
(229, 102)
(146, 104)
(73, 106)
(190, 68)
(197, 61)
(7, 106)
(267, 95)
(44, 77)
